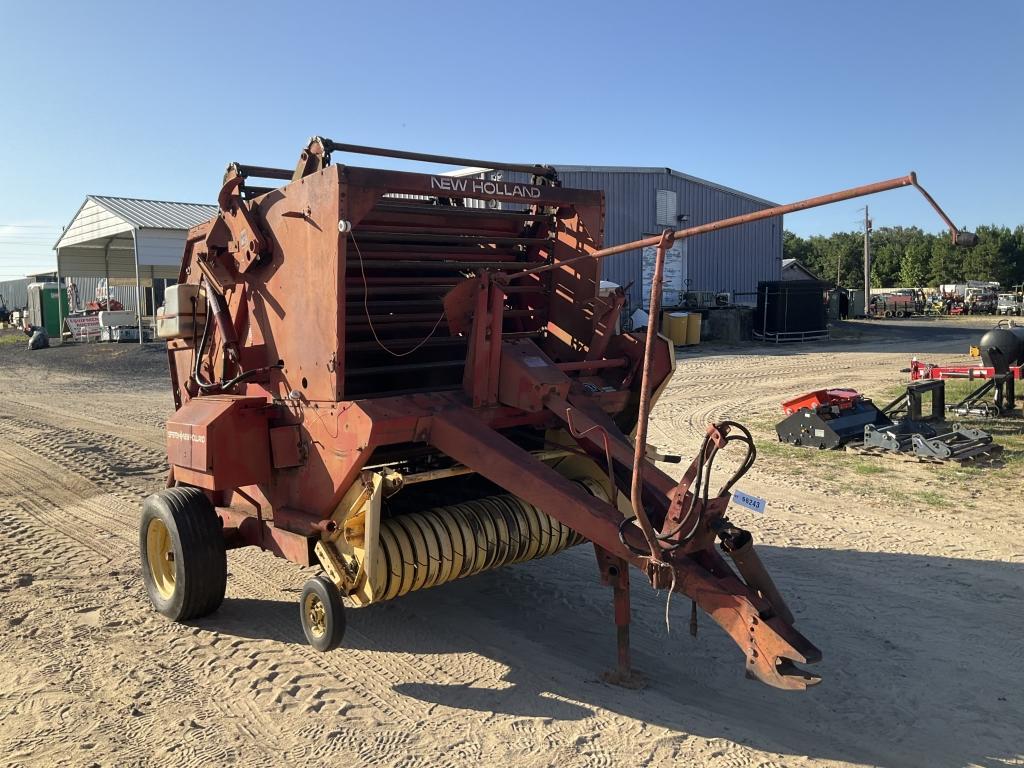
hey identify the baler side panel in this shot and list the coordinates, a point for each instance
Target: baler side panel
(301, 222)
(410, 245)
(573, 290)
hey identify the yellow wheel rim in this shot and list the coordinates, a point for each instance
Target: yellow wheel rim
(316, 615)
(160, 554)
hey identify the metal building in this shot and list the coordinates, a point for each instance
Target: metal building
(129, 243)
(640, 202)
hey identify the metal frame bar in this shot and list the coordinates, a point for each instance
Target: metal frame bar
(138, 283)
(330, 145)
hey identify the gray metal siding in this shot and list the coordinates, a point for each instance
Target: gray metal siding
(731, 260)
(15, 292)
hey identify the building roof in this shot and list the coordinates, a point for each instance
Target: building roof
(102, 215)
(796, 265)
(668, 171)
(157, 214)
(629, 169)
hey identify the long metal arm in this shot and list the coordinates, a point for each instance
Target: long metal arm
(959, 238)
(536, 170)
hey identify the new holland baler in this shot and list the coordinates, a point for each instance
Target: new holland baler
(411, 378)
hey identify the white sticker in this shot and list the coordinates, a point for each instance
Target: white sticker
(753, 503)
(535, 362)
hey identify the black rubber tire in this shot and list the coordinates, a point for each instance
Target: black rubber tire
(200, 558)
(330, 635)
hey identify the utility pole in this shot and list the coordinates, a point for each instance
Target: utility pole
(839, 269)
(867, 262)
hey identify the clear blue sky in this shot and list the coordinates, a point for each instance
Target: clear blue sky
(783, 100)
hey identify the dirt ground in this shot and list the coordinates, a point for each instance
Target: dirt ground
(908, 577)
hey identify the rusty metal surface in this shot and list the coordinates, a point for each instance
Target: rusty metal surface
(643, 414)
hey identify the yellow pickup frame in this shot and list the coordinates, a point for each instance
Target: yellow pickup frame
(350, 552)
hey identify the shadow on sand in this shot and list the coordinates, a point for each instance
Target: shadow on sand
(919, 336)
(914, 671)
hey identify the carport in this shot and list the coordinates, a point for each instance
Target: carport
(121, 238)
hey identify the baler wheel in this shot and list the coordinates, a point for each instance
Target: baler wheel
(323, 614)
(184, 562)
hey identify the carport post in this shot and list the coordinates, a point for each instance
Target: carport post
(106, 268)
(60, 311)
(138, 282)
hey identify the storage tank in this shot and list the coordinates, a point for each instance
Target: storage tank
(1003, 347)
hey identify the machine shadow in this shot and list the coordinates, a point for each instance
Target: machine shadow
(912, 675)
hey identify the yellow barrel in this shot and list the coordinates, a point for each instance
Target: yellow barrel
(678, 323)
(693, 329)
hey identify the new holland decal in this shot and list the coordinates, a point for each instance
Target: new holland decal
(453, 185)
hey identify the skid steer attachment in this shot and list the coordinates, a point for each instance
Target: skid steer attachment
(409, 379)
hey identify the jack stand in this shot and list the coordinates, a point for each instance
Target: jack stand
(615, 573)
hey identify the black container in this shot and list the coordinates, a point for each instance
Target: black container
(790, 306)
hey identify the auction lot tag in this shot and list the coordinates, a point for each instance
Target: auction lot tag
(753, 503)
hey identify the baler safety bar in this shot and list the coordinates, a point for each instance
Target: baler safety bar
(329, 145)
(959, 237)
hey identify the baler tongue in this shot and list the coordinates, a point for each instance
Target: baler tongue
(790, 677)
(687, 522)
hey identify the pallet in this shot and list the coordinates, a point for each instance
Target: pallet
(975, 456)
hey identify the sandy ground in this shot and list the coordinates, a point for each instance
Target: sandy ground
(908, 577)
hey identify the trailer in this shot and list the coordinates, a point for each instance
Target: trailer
(1002, 354)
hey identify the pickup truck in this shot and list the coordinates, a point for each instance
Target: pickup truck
(1008, 304)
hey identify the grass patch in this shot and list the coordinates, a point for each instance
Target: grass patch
(867, 468)
(931, 498)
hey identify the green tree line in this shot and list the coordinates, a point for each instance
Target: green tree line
(908, 257)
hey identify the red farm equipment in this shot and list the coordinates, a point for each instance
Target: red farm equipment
(408, 378)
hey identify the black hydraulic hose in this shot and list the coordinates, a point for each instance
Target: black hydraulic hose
(702, 485)
(243, 375)
(200, 382)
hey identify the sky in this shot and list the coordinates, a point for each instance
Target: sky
(783, 100)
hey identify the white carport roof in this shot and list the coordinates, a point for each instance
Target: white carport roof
(120, 237)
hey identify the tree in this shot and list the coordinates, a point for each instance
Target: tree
(914, 265)
(909, 257)
(795, 247)
(946, 264)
